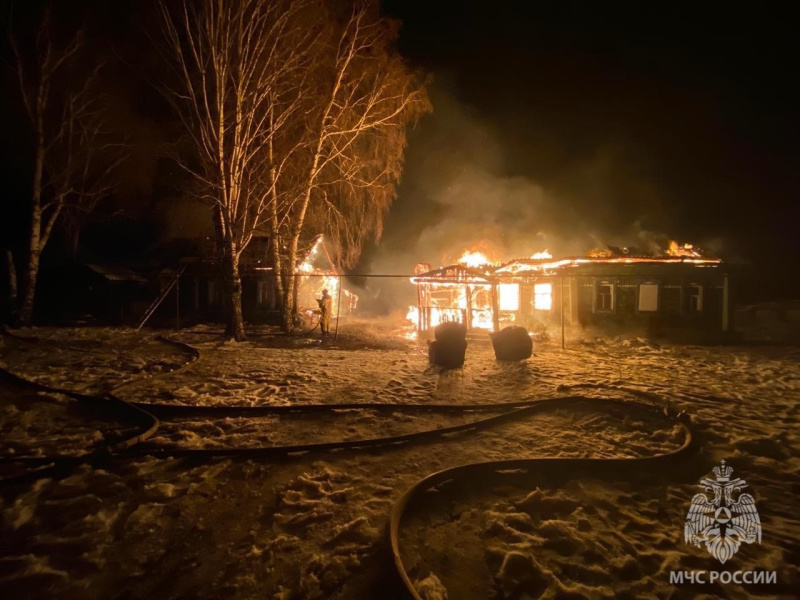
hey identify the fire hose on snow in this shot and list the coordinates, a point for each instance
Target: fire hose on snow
(147, 418)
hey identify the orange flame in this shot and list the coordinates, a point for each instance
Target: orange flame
(687, 250)
(600, 253)
(307, 265)
(474, 259)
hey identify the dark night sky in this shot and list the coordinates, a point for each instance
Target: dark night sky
(599, 123)
(556, 125)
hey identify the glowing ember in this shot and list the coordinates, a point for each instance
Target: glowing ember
(458, 309)
(541, 255)
(474, 259)
(437, 316)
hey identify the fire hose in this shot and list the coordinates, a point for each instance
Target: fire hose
(529, 468)
(107, 403)
(147, 417)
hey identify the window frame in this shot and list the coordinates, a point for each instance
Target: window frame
(639, 309)
(549, 294)
(690, 296)
(508, 286)
(612, 297)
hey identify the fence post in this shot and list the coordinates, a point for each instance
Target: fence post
(495, 309)
(338, 309)
(178, 301)
(563, 342)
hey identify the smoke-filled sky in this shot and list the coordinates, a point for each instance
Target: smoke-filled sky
(567, 126)
(458, 193)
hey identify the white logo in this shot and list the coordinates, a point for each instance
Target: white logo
(723, 523)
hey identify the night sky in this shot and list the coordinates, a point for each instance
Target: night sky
(555, 125)
(617, 124)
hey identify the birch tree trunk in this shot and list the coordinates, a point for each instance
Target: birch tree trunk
(233, 291)
(237, 68)
(228, 257)
(279, 272)
(25, 315)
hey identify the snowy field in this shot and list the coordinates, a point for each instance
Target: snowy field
(313, 525)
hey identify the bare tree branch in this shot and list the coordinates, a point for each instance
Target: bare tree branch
(62, 107)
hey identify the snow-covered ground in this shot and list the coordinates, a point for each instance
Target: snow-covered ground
(312, 526)
(91, 360)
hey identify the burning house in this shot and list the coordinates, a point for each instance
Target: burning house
(192, 284)
(679, 294)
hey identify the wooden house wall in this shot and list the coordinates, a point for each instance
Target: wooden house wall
(673, 317)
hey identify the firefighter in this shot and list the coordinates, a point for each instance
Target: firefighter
(325, 306)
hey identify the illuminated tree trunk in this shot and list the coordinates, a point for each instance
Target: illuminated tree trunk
(360, 102)
(25, 315)
(239, 67)
(233, 293)
(290, 297)
(289, 306)
(283, 272)
(231, 279)
(278, 269)
(38, 237)
(495, 309)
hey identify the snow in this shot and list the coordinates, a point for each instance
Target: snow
(431, 588)
(90, 360)
(36, 424)
(312, 526)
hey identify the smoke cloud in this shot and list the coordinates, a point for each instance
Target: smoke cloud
(467, 187)
(459, 192)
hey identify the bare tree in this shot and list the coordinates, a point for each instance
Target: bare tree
(344, 175)
(58, 95)
(238, 68)
(296, 121)
(87, 174)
